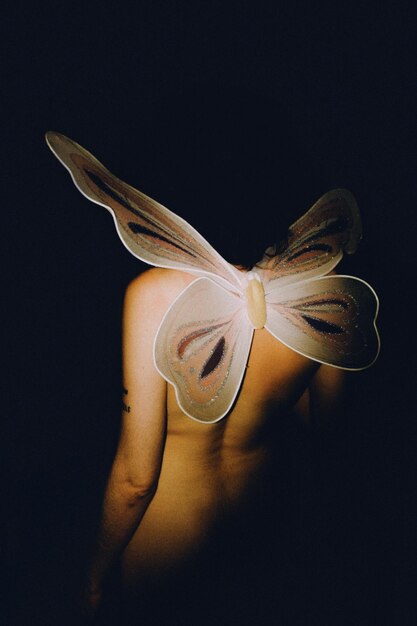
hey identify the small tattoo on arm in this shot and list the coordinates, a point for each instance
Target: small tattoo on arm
(125, 407)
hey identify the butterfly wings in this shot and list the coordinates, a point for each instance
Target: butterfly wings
(203, 343)
(149, 230)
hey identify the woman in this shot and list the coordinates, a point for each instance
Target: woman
(175, 481)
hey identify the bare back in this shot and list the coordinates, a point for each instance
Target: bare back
(209, 470)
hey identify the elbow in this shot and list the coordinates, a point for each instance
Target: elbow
(138, 491)
(134, 486)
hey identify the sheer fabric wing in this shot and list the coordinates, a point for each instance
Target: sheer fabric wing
(202, 348)
(329, 319)
(317, 241)
(148, 229)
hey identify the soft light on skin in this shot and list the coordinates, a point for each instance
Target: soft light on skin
(255, 301)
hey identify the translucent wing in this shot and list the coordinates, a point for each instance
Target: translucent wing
(329, 319)
(149, 230)
(203, 343)
(316, 242)
(202, 348)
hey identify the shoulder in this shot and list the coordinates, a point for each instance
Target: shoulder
(156, 288)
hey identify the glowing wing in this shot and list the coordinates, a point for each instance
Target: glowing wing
(203, 343)
(317, 241)
(202, 348)
(329, 319)
(150, 231)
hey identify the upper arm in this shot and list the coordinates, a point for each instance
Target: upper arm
(142, 438)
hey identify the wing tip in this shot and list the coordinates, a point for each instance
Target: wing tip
(53, 139)
(49, 137)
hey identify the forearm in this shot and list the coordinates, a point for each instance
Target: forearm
(122, 511)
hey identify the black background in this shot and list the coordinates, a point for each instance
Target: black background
(334, 89)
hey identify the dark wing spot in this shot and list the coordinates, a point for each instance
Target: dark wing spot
(215, 358)
(338, 225)
(326, 301)
(142, 230)
(323, 327)
(135, 228)
(99, 182)
(115, 195)
(319, 247)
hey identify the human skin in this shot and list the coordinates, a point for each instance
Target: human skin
(174, 479)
